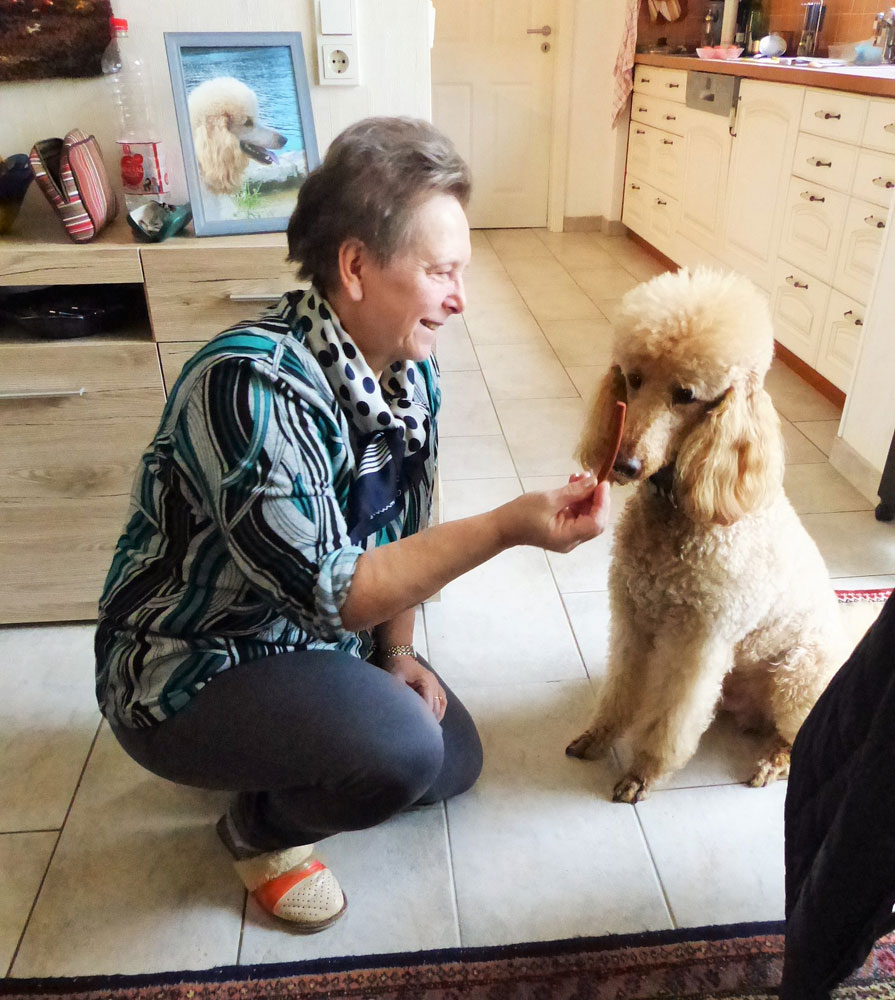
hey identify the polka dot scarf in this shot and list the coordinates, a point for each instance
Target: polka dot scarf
(391, 426)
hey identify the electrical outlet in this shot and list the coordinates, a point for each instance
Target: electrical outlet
(338, 63)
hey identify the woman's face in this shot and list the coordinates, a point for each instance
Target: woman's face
(405, 303)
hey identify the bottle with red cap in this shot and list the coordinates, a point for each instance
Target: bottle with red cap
(144, 175)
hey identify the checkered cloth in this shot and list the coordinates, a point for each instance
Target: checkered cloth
(623, 71)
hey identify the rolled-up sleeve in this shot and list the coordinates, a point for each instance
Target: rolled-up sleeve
(262, 458)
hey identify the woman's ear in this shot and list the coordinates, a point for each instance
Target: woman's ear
(598, 439)
(352, 265)
(731, 464)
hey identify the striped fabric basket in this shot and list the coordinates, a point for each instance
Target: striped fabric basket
(71, 174)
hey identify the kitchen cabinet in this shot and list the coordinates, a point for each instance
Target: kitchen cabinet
(798, 310)
(841, 339)
(706, 160)
(765, 133)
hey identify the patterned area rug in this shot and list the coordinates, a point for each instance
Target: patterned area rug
(709, 963)
(860, 609)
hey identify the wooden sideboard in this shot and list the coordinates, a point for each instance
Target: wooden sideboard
(75, 415)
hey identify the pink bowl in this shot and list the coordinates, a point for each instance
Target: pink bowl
(719, 52)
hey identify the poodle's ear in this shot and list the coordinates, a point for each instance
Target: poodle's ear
(732, 462)
(598, 438)
(218, 155)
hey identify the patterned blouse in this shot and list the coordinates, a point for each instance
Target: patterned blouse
(245, 523)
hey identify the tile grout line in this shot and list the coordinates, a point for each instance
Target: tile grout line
(659, 879)
(451, 874)
(71, 803)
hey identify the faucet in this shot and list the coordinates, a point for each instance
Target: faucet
(884, 34)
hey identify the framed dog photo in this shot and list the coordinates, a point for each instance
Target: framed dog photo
(246, 128)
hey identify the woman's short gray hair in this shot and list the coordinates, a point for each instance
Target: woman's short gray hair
(371, 181)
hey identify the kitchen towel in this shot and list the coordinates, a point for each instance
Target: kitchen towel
(623, 71)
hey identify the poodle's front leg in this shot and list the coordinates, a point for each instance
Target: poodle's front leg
(685, 676)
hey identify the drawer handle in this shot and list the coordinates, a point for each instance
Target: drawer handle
(635, 187)
(53, 394)
(825, 115)
(815, 162)
(644, 79)
(672, 86)
(660, 202)
(881, 182)
(857, 320)
(792, 280)
(639, 131)
(668, 142)
(808, 196)
(872, 220)
(670, 118)
(889, 128)
(256, 297)
(643, 109)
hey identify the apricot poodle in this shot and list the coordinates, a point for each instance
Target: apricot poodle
(226, 133)
(718, 595)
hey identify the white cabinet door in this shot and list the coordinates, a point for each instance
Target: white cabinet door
(798, 308)
(766, 129)
(812, 227)
(862, 240)
(841, 340)
(663, 218)
(636, 208)
(668, 163)
(704, 183)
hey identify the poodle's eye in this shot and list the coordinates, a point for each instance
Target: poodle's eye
(681, 394)
(635, 380)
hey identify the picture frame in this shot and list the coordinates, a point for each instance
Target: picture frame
(246, 127)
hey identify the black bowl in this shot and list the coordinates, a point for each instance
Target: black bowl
(63, 311)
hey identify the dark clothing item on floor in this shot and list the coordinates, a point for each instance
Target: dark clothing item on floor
(313, 742)
(840, 821)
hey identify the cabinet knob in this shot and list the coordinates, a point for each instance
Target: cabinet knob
(668, 142)
(815, 162)
(882, 182)
(639, 131)
(808, 196)
(890, 127)
(635, 187)
(670, 118)
(672, 86)
(643, 109)
(660, 202)
(826, 115)
(876, 223)
(792, 280)
(857, 321)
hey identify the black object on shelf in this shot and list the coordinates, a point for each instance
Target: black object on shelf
(65, 311)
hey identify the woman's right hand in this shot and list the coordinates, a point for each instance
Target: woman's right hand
(558, 520)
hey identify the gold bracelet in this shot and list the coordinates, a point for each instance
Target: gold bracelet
(390, 651)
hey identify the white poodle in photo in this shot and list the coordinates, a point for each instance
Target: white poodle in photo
(227, 133)
(719, 598)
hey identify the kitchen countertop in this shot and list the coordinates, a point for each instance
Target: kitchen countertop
(877, 81)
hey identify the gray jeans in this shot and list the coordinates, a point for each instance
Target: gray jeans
(313, 743)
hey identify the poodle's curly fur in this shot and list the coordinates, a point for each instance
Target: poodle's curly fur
(718, 595)
(224, 122)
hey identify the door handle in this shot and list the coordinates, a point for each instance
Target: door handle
(545, 31)
(792, 280)
(52, 394)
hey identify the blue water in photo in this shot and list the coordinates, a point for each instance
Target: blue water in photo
(267, 70)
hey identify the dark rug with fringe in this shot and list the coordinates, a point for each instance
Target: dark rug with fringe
(708, 963)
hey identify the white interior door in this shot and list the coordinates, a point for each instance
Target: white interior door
(492, 93)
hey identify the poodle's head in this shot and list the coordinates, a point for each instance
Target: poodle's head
(690, 355)
(226, 132)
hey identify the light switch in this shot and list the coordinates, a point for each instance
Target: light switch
(335, 17)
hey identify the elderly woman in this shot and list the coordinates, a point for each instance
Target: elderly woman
(256, 628)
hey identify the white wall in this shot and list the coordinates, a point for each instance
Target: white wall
(394, 62)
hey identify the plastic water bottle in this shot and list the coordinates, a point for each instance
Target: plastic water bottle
(144, 175)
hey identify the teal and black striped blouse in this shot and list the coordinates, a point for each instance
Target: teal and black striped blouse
(236, 544)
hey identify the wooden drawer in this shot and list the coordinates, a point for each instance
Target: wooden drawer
(879, 130)
(660, 82)
(658, 155)
(835, 115)
(659, 114)
(812, 227)
(841, 340)
(195, 293)
(874, 179)
(664, 212)
(635, 211)
(174, 357)
(824, 161)
(798, 308)
(859, 251)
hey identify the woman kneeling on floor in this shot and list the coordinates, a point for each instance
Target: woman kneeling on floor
(256, 627)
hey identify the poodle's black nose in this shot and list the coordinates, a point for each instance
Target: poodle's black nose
(630, 468)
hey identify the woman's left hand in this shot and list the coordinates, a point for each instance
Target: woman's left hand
(423, 681)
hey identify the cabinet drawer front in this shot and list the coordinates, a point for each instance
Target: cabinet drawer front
(658, 113)
(660, 82)
(640, 149)
(879, 132)
(862, 240)
(798, 308)
(194, 295)
(825, 162)
(841, 340)
(833, 114)
(69, 366)
(812, 227)
(635, 211)
(174, 357)
(874, 177)
(664, 212)
(668, 163)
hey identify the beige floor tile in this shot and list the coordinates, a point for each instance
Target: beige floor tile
(397, 878)
(820, 489)
(822, 433)
(582, 254)
(589, 615)
(553, 304)
(454, 351)
(853, 543)
(795, 399)
(609, 308)
(509, 243)
(466, 407)
(539, 851)
(48, 719)
(561, 242)
(504, 325)
(489, 289)
(474, 458)
(483, 256)
(542, 434)
(580, 342)
(524, 371)
(798, 449)
(586, 379)
(537, 271)
(605, 283)
(23, 861)
(139, 881)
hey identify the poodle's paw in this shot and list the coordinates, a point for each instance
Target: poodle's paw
(590, 745)
(631, 789)
(772, 767)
